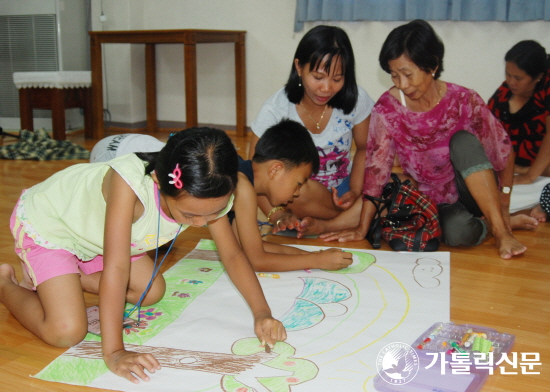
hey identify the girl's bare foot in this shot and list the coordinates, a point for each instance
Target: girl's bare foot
(538, 213)
(508, 246)
(523, 222)
(7, 275)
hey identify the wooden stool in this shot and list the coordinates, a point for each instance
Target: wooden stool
(55, 91)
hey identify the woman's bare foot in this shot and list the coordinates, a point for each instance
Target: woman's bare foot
(7, 275)
(538, 213)
(508, 246)
(523, 222)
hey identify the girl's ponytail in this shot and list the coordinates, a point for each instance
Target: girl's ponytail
(150, 158)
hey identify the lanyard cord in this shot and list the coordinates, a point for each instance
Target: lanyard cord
(156, 269)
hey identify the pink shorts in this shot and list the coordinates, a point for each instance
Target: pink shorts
(43, 263)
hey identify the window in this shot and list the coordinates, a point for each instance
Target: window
(403, 10)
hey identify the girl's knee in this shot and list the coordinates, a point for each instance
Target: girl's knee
(66, 332)
(154, 294)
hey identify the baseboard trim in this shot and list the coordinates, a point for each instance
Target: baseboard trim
(164, 126)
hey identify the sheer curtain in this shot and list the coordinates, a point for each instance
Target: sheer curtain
(402, 10)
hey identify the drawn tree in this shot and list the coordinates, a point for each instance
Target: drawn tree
(248, 369)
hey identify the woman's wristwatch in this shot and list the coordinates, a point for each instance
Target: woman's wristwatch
(506, 189)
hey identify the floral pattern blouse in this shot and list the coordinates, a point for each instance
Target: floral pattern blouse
(526, 127)
(421, 141)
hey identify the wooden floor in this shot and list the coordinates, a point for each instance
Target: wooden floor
(512, 296)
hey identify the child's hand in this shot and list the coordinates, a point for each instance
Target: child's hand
(309, 226)
(345, 202)
(344, 235)
(269, 330)
(286, 221)
(334, 259)
(128, 363)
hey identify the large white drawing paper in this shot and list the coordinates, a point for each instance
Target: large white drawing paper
(337, 322)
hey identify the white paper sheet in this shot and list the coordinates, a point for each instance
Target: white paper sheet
(337, 322)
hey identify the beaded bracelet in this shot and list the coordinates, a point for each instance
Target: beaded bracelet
(273, 210)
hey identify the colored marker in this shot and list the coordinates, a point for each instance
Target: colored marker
(421, 345)
(264, 275)
(435, 332)
(457, 348)
(465, 338)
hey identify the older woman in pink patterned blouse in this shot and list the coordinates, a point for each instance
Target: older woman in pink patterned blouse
(446, 140)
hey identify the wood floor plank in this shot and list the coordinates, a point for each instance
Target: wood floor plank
(512, 296)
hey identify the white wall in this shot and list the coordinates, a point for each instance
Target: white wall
(26, 7)
(72, 48)
(474, 54)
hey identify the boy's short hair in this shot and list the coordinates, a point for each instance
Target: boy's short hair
(290, 142)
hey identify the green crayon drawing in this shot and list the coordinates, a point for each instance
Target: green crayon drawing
(319, 298)
(365, 260)
(292, 371)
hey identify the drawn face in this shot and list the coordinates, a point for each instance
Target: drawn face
(192, 211)
(520, 83)
(285, 184)
(320, 86)
(409, 78)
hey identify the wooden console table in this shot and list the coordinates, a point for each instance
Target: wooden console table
(189, 39)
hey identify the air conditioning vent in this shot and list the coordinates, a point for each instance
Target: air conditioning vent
(28, 43)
